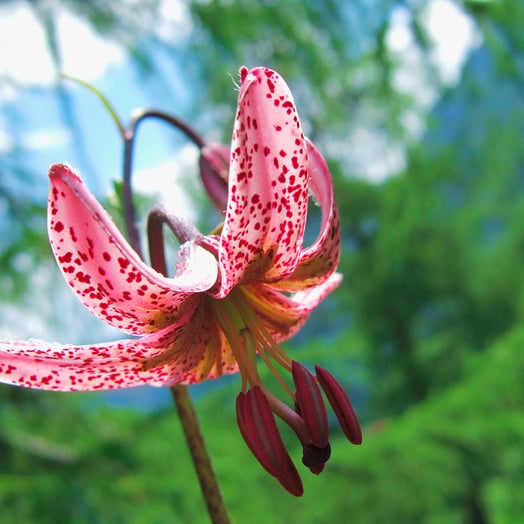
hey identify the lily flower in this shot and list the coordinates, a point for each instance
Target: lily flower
(233, 295)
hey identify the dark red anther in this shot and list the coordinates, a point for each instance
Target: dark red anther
(341, 405)
(214, 171)
(259, 429)
(315, 458)
(290, 479)
(310, 405)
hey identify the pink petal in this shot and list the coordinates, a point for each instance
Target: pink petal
(282, 315)
(206, 339)
(320, 260)
(268, 184)
(112, 365)
(106, 273)
(176, 354)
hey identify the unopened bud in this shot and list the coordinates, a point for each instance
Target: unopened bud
(214, 171)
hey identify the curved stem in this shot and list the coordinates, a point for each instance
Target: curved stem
(182, 229)
(191, 133)
(208, 482)
(129, 138)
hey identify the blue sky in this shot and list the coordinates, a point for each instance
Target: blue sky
(46, 137)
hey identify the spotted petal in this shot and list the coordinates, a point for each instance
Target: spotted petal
(268, 184)
(283, 316)
(320, 260)
(188, 351)
(106, 273)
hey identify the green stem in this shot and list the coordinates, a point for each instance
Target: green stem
(204, 469)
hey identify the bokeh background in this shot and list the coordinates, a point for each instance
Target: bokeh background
(418, 106)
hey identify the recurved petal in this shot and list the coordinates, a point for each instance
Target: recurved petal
(268, 184)
(284, 315)
(320, 260)
(112, 365)
(106, 273)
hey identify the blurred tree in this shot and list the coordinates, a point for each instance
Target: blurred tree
(434, 265)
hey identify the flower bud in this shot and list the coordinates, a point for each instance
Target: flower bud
(214, 171)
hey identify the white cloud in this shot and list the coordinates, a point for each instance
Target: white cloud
(23, 50)
(169, 181)
(47, 138)
(174, 22)
(85, 54)
(25, 57)
(453, 34)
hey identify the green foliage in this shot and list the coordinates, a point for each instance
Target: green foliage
(333, 54)
(447, 460)
(424, 331)
(434, 256)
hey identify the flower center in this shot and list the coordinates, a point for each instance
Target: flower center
(247, 337)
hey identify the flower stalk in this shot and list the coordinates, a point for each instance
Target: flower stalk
(206, 475)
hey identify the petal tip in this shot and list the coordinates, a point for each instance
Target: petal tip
(63, 171)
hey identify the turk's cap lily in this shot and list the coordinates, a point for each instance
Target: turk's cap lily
(232, 295)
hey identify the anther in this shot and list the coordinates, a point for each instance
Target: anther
(259, 429)
(290, 479)
(310, 404)
(315, 458)
(341, 405)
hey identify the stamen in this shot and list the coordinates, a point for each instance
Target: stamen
(246, 366)
(311, 404)
(341, 405)
(276, 374)
(258, 427)
(259, 430)
(243, 305)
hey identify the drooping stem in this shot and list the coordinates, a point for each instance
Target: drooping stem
(206, 475)
(129, 139)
